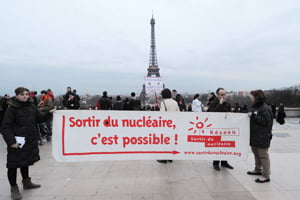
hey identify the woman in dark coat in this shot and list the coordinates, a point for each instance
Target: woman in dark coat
(281, 115)
(20, 122)
(261, 122)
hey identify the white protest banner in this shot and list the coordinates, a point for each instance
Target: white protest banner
(153, 85)
(93, 135)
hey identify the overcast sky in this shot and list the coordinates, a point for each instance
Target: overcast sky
(96, 45)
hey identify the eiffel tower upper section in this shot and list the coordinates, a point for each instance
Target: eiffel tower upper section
(153, 70)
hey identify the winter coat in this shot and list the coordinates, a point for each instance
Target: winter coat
(51, 95)
(66, 97)
(197, 106)
(118, 105)
(134, 104)
(105, 103)
(46, 104)
(180, 101)
(211, 99)
(261, 122)
(280, 116)
(215, 106)
(21, 119)
(169, 105)
(73, 104)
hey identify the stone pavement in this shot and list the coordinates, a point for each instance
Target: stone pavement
(181, 180)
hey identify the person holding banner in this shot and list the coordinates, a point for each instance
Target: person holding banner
(261, 122)
(19, 130)
(168, 105)
(220, 104)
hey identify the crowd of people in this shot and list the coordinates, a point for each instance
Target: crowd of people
(27, 116)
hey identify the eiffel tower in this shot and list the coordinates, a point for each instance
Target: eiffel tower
(153, 69)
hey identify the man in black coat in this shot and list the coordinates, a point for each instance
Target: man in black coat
(134, 103)
(66, 96)
(72, 102)
(104, 102)
(219, 104)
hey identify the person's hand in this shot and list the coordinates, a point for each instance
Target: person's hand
(222, 100)
(53, 110)
(249, 114)
(16, 145)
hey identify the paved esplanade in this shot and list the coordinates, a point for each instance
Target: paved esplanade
(180, 180)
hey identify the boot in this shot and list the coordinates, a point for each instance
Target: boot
(48, 138)
(15, 193)
(27, 184)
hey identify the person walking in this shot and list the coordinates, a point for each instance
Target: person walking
(261, 122)
(167, 105)
(220, 104)
(20, 133)
(281, 115)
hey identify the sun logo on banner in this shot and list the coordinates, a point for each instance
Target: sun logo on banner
(199, 125)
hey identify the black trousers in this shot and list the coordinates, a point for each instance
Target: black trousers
(12, 174)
